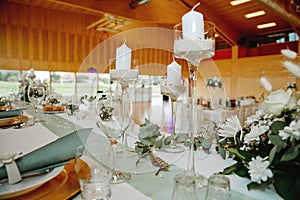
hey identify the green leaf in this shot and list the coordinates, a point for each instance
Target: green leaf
(262, 186)
(278, 142)
(146, 141)
(290, 154)
(187, 143)
(168, 140)
(206, 144)
(277, 126)
(222, 152)
(242, 172)
(236, 152)
(253, 185)
(231, 169)
(272, 154)
(158, 144)
(287, 185)
(181, 137)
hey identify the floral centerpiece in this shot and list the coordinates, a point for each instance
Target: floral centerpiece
(266, 148)
(214, 82)
(291, 85)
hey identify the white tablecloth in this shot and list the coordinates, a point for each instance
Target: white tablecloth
(31, 138)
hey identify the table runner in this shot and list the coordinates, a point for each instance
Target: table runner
(155, 187)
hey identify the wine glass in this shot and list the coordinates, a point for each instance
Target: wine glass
(113, 118)
(194, 51)
(124, 76)
(36, 94)
(173, 92)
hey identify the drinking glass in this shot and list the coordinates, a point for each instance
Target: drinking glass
(218, 188)
(113, 118)
(36, 94)
(184, 188)
(94, 179)
(124, 77)
(194, 51)
(173, 92)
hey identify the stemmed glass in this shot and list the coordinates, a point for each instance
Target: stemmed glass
(113, 118)
(36, 94)
(173, 92)
(194, 51)
(124, 77)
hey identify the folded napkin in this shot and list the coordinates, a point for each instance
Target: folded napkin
(51, 155)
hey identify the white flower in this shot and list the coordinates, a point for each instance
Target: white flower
(254, 134)
(254, 118)
(214, 82)
(289, 53)
(292, 103)
(266, 84)
(293, 68)
(258, 170)
(277, 101)
(230, 128)
(291, 131)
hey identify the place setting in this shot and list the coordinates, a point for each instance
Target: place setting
(11, 116)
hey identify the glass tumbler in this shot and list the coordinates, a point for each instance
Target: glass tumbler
(94, 179)
(218, 188)
(184, 188)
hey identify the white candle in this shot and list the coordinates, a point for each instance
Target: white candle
(31, 72)
(174, 73)
(193, 25)
(123, 57)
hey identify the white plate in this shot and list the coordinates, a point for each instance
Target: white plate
(27, 184)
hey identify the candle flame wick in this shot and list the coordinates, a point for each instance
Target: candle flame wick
(195, 6)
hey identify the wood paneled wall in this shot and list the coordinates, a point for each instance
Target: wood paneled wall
(45, 39)
(53, 40)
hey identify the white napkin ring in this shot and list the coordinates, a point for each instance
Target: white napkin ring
(13, 173)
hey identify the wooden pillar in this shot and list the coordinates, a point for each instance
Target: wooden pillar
(298, 79)
(234, 71)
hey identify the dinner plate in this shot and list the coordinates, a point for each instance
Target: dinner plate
(13, 121)
(27, 184)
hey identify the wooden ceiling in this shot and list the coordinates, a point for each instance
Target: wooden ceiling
(232, 26)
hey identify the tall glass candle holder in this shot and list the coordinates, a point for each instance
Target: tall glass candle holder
(194, 51)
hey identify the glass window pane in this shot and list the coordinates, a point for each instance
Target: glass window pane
(63, 83)
(9, 82)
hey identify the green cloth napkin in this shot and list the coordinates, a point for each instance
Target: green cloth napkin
(52, 155)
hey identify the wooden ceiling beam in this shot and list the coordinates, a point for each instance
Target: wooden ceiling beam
(158, 11)
(228, 33)
(279, 10)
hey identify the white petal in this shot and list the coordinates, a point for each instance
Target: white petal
(266, 84)
(294, 69)
(289, 53)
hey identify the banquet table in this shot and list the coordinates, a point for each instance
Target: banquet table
(141, 186)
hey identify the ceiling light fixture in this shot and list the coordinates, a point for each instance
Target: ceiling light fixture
(267, 25)
(135, 3)
(237, 2)
(276, 35)
(255, 14)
